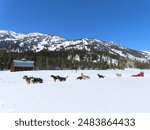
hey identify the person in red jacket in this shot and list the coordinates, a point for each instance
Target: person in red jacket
(141, 74)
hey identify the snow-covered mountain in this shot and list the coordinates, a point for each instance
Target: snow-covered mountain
(16, 42)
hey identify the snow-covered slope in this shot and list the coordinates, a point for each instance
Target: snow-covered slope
(111, 94)
(12, 41)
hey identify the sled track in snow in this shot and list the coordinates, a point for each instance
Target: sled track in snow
(7, 107)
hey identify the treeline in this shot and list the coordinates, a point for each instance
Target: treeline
(68, 59)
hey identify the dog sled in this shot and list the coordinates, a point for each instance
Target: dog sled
(141, 74)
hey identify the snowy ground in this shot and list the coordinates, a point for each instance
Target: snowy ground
(111, 94)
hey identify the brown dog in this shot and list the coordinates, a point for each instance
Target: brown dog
(80, 77)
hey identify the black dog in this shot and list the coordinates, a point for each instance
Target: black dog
(100, 76)
(36, 80)
(54, 77)
(62, 78)
(59, 78)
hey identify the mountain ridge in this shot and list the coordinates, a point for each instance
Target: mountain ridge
(11, 41)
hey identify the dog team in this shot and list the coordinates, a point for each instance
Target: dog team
(33, 80)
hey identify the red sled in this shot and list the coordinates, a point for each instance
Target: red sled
(141, 74)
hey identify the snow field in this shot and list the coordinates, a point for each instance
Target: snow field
(111, 94)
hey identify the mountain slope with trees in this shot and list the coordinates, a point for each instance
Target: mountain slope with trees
(53, 52)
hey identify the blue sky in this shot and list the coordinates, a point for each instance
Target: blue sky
(126, 22)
